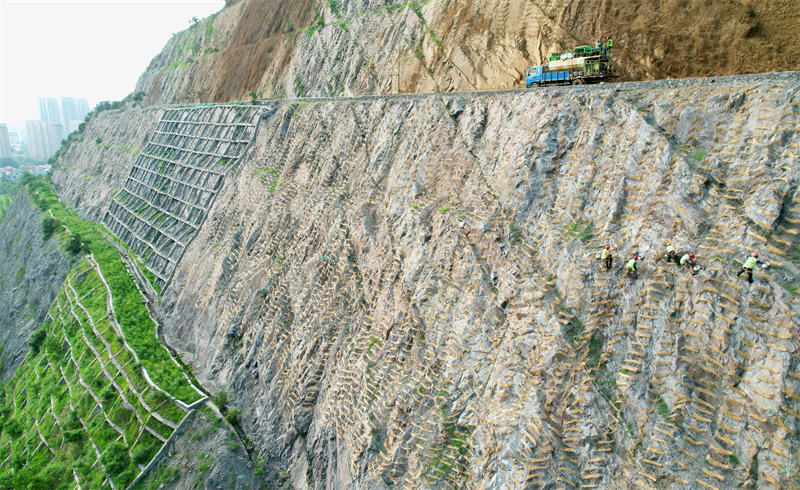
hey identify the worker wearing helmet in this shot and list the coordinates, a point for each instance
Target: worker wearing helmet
(672, 255)
(607, 257)
(631, 266)
(687, 260)
(749, 265)
(609, 45)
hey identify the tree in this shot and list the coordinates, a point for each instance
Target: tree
(36, 340)
(74, 246)
(115, 458)
(49, 226)
(221, 399)
(8, 162)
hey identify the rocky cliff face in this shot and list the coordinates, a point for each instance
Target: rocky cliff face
(276, 49)
(90, 172)
(31, 273)
(405, 291)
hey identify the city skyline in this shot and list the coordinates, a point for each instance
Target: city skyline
(43, 138)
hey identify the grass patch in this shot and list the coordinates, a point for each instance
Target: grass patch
(269, 178)
(580, 229)
(697, 154)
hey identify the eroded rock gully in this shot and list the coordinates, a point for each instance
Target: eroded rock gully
(404, 291)
(274, 48)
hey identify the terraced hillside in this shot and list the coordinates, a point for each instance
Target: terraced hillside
(98, 396)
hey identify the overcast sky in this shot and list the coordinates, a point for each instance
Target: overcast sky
(95, 49)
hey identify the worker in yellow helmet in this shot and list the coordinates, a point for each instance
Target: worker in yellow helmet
(607, 257)
(749, 265)
(630, 266)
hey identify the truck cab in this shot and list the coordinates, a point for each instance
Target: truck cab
(533, 75)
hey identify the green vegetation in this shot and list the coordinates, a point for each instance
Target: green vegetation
(449, 460)
(163, 477)
(5, 202)
(78, 393)
(49, 226)
(516, 233)
(335, 5)
(698, 154)
(317, 24)
(221, 400)
(580, 229)
(37, 339)
(76, 245)
(130, 312)
(269, 178)
(594, 352)
(233, 416)
(298, 86)
(663, 409)
(373, 341)
(209, 29)
(203, 467)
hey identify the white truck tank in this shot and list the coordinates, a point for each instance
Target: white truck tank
(569, 64)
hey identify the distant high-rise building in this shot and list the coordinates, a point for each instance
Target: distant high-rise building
(5, 143)
(44, 139)
(48, 110)
(83, 107)
(73, 112)
(15, 135)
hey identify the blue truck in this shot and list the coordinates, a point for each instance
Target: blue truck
(580, 65)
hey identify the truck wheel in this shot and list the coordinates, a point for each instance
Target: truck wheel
(578, 81)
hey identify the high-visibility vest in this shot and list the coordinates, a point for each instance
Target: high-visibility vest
(610, 42)
(670, 249)
(749, 263)
(684, 259)
(605, 254)
(631, 264)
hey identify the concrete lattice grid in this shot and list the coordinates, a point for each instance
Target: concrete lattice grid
(174, 181)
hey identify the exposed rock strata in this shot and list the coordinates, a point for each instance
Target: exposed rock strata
(89, 173)
(432, 309)
(31, 273)
(274, 49)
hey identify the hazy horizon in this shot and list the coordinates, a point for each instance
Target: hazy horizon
(82, 49)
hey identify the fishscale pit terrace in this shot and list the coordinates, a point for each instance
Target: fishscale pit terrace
(173, 182)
